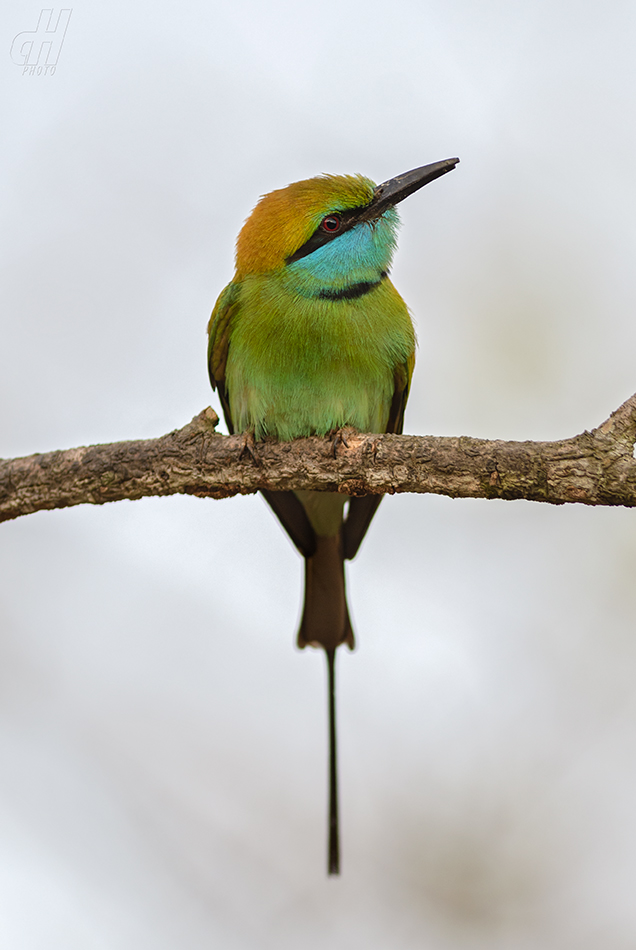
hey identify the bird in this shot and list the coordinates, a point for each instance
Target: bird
(311, 338)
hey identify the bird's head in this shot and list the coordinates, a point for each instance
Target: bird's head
(329, 230)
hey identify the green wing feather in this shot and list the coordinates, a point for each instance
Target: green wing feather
(219, 330)
(402, 377)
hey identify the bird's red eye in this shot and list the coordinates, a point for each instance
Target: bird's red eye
(331, 223)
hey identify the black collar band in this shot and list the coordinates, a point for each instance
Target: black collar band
(352, 291)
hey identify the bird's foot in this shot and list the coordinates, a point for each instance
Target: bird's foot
(338, 437)
(249, 446)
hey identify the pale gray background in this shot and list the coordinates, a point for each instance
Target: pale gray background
(162, 744)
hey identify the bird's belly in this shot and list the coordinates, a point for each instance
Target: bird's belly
(295, 396)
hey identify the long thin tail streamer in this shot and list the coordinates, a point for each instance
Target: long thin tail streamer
(334, 834)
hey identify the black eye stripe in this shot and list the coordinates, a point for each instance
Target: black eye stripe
(321, 236)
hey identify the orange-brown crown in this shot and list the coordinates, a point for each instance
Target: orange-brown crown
(284, 219)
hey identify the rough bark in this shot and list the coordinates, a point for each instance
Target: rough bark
(594, 468)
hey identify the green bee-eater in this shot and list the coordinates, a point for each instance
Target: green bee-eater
(311, 336)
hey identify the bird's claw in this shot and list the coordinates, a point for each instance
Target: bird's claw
(249, 446)
(338, 437)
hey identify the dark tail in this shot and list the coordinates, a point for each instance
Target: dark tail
(325, 621)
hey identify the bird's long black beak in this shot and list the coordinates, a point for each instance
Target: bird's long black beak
(391, 192)
(397, 189)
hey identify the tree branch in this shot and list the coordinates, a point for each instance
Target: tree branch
(594, 468)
